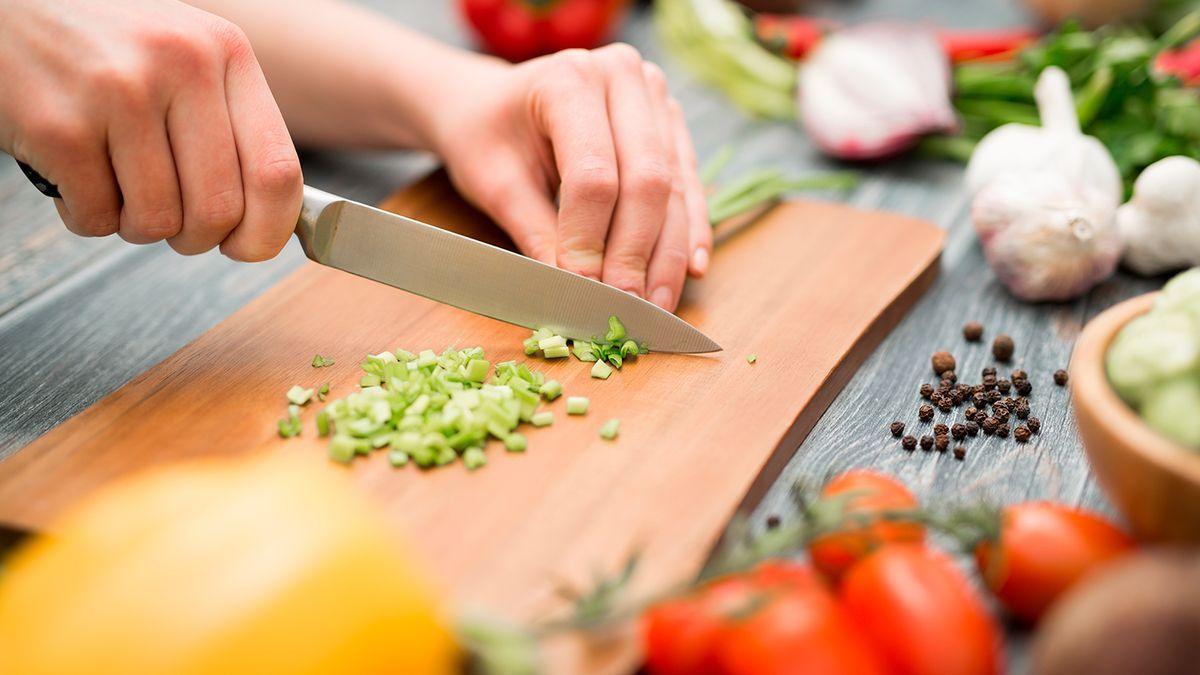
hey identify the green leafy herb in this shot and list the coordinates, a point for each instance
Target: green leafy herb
(321, 362)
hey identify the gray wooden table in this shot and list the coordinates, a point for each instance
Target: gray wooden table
(80, 317)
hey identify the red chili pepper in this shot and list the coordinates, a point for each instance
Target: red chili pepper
(522, 29)
(1183, 63)
(977, 45)
(792, 36)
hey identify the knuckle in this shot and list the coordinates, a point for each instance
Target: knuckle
(97, 224)
(594, 181)
(219, 212)
(57, 132)
(623, 55)
(576, 63)
(654, 76)
(126, 85)
(652, 180)
(673, 259)
(184, 50)
(230, 38)
(280, 175)
(251, 251)
(151, 224)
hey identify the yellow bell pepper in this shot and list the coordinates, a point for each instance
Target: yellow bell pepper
(265, 565)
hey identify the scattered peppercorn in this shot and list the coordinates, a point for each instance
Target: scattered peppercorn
(972, 331)
(989, 425)
(989, 382)
(1002, 347)
(972, 428)
(1022, 411)
(925, 412)
(1023, 387)
(1035, 425)
(1000, 413)
(942, 442)
(942, 361)
(988, 371)
(1002, 430)
(1019, 374)
(1004, 386)
(949, 376)
(993, 396)
(1022, 434)
(958, 431)
(1060, 377)
(959, 453)
(926, 391)
(944, 404)
(980, 399)
(970, 412)
(908, 443)
(927, 443)
(940, 429)
(772, 522)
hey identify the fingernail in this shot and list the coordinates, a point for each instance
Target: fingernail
(662, 297)
(700, 261)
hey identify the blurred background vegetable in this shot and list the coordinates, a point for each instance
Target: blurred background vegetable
(522, 29)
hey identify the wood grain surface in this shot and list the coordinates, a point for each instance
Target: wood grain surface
(810, 287)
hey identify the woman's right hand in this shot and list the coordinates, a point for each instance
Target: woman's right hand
(154, 120)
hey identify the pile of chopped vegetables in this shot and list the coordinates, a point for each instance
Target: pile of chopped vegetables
(605, 354)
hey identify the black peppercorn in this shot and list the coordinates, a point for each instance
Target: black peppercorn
(959, 453)
(1022, 411)
(1023, 387)
(1035, 425)
(989, 382)
(958, 431)
(1000, 413)
(927, 443)
(1002, 430)
(940, 429)
(980, 399)
(925, 412)
(1022, 434)
(972, 428)
(1002, 347)
(993, 396)
(1060, 377)
(942, 442)
(908, 443)
(1004, 386)
(926, 390)
(988, 371)
(972, 331)
(1019, 374)
(970, 412)
(772, 522)
(945, 404)
(950, 376)
(897, 429)
(942, 361)
(989, 425)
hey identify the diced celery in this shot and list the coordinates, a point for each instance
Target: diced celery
(608, 430)
(369, 380)
(426, 358)
(477, 370)
(531, 346)
(551, 390)
(397, 458)
(577, 405)
(446, 456)
(323, 423)
(542, 419)
(342, 448)
(298, 395)
(515, 443)
(552, 342)
(601, 370)
(556, 352)
(473, 458)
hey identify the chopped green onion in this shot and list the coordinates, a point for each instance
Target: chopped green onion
(321, 362)
(298, 395)
(629, 348)
(473, 458)
(556, 352)
(601, 370)
(577, 405)
(289, 426)
(323, 423)
(551, 390)
(369, 380)
(398, 458)
(751, 358)
(542, 419)
(531, 346)
(515, 443)
(477, 369)
(608, 430)
(584, 351)
(342, 448)
(323, 391)
(552, 342)
(616, 330)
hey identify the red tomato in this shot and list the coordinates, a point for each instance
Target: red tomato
(795, 629)
(868, 492)
(679, 636)
(921, 612)
(1043, 550)
(521, 29)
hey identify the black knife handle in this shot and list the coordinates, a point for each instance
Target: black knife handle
(44, 186)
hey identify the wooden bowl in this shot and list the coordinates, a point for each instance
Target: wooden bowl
(1152, 479)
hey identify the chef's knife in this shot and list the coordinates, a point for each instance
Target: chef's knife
(471, 275)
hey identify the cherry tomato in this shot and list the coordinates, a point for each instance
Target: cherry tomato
(922, 613)
(679, 636)
(797, 628)
(1043, 550)
(521, 29)
(868, 492)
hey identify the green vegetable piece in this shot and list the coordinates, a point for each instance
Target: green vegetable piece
(584, 351)
(751, 358)
(477, 369)
(577, 405)
(552, 342)
(551, 390)
(609, 430)
(542, 419)
(342, 448)
(616, 330)
(298, 395)
(446, 456)
(426, 358)
(601, 370)
(323, 423)
(369, 380)
(1172, 409)
(289, 427)
(323, 391)
(629, 348)
(473, 458)
(515, 443)
(531, 346)
(321, 362)
(397, 458)
(556, 352)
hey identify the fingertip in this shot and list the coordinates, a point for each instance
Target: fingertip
(664, 297)
(698, 265)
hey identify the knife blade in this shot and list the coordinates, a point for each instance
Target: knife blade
(478, 277)
(469, 274)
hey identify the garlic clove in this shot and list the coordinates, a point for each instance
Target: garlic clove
(1044, 236)
(873, 90)
(1161, 222)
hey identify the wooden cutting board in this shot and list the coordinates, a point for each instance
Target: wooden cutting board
(811, 288)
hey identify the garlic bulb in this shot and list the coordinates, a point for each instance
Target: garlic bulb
(1161, 223)
(873, 90)
(1058, 145)
(1046, 236)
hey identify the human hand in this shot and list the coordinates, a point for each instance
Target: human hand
(154, 120)
(599, 131)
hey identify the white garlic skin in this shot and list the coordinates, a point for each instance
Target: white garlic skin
(1045, 236)
(873, 90)
(1161, 222)
(1058, 145)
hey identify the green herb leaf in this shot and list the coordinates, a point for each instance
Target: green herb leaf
(319, 361)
